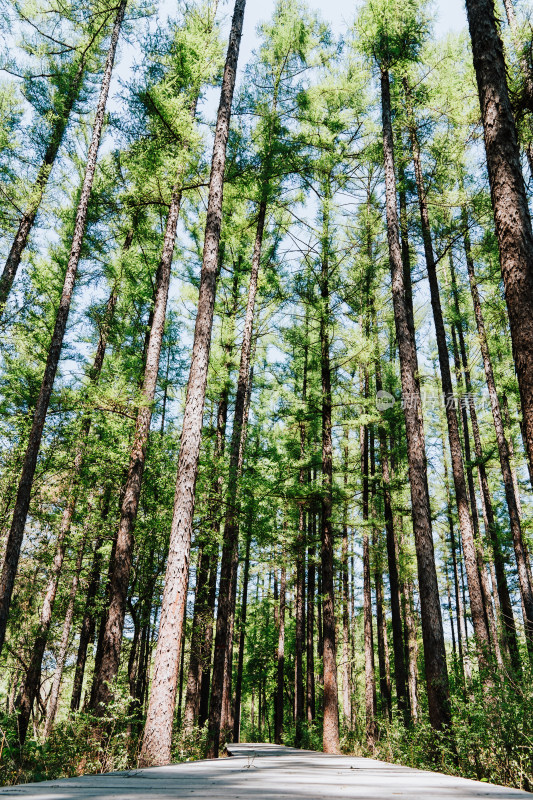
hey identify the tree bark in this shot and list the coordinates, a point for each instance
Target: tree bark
(381, 622)
(488, 610)
(310, 618)
(158, 729)
(22, 503)
(505, 464)
(278, 709)
(394, 583)
(87, 626)
(346, 660)
(511, 212)
(124, 550)
(432, 630)
(200, 673)
(503, 597)
(205, 686)
(370, 680)
(194, 677)
(242, 634)
(89, 623)
(461, 495)
(330, 734)
(226, 592)
(206, 656)
(299, 697)
(412, 649)
(464, 657)
(381, 631)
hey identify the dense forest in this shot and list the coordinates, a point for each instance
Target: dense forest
(266, 385)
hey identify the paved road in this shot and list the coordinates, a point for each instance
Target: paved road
(268, 772)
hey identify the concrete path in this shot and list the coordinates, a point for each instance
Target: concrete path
(268, 772)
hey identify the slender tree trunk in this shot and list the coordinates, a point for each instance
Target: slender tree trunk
(465, 609)
(165, 392)
(381, 622)
(34, 673)
(502, 596)
(319, 624)
(330, 736)
(509, 201)
(508, 425)
(226, 723)
(33, 677)
(406, 255)
(88, 622)
(13, 693)
(432, 630)
(394, 584)
(461, 494)
(461, 633)
(346, 661)
(182, 666)
(450, 611)
(205, 633)
(526, 591)
(242, 635)
(228, 716)
(410, 627)
(490, 621)
(310, 618)
(65, 636)
(22, 503)
(299, 697)
(207, 654)
(103, 616)
(464, 657)
(226, 592)
(192, 697)
(158, 728)
(32, 681)
(207, 648)
(137, 676)
(241, 417)
(278, 711)
(124, 550)
(355, 722)
(143, 672)
(382, 638)
(412, 650)
(370, 680)
(299, 707)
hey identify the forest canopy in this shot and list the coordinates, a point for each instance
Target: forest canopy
(266, 385)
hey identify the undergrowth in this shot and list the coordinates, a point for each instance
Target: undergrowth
(492, 741)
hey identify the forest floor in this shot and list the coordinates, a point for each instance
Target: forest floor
(268, 772)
